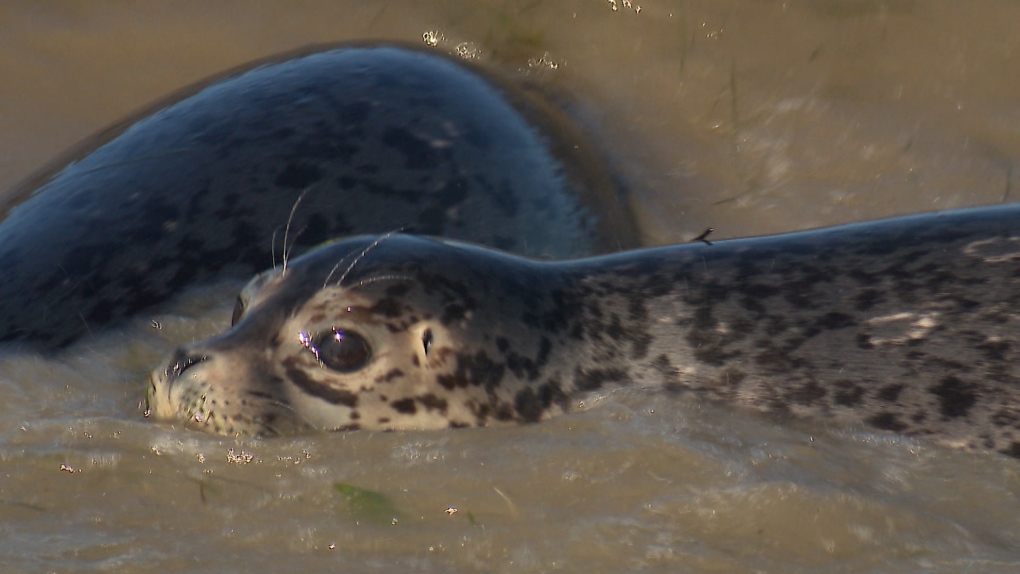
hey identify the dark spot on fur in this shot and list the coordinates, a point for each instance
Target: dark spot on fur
(528, 406)
(433, 403)
(732, 378)
(388, 307)
(314, 388)
(889, 393)
(398, 290)
(637, 309)
(551, 392)
(418, 153)
(667, 372)
(453, 312)
(995, 350)
(404, 406)
(594, 379)
(477, 369)
(867, 299)
(864, 341)
(502, 344)
(887, 421)
(392, 374)
(298, 175)
(836, 320)
(639, 346)
(808, 393)
(848, 393)
(759, 291)
(504, 412)
(955, 397)
(1005, 418)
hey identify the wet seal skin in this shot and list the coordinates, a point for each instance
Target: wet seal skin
(909, 325)
(377, 137)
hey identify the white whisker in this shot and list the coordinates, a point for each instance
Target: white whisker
(333, 270)
(272, 248)
(286, 230)
(357, 259)
(371, 280)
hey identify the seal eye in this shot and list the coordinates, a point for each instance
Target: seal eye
(343, 351)
(238, 311)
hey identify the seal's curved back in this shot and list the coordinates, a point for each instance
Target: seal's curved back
(355, 139)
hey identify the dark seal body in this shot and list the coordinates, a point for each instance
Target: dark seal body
(909, 325)
(370, 138)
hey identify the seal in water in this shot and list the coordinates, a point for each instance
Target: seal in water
(377, 138)
(909, 325)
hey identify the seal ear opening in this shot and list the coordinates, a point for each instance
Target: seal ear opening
(426, 340)
(424, 344)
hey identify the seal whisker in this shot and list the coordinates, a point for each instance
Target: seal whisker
(371, 280)
(357, 259)
(290, 220)
(272, 247)
(267, 421)
(270, 399)
(333, 270)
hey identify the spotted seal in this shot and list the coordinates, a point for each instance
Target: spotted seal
(360, 138)
(909, 325)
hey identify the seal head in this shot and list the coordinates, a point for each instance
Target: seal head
(367, 334)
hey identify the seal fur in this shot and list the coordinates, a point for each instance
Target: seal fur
(907, 325)
(372, 137)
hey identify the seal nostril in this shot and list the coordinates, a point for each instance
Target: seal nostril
(180, 362)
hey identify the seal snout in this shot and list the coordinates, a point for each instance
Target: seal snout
(166, 396)
(222, 388)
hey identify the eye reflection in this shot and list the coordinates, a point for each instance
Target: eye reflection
(341, 350)
(306, 341)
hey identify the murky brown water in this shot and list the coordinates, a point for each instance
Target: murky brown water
(749, 116)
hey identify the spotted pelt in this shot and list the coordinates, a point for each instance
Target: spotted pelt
(907, 325)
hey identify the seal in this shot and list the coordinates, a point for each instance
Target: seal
(336, 140)
(910, 325)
